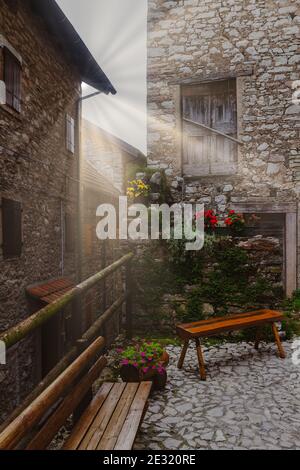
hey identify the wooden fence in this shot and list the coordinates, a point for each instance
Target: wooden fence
(20, 331)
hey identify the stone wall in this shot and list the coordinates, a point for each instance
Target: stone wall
(34, 164)
(163, 292)
(193, 41)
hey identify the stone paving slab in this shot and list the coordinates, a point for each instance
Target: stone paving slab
(251, 400)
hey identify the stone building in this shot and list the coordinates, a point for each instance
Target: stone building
(42, 64)
(222, 121)
(109, 154)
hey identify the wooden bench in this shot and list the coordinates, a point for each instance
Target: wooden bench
(214, 326)
(110, 421)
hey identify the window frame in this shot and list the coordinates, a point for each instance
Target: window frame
(12, 74)
(70, 134)
(185, 90)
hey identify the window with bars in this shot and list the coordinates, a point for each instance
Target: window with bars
(12, 79)
(70, 134)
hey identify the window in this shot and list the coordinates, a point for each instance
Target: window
(70, 134)
(12, 79)
(209, 113)
(11, 228)
(12, 4)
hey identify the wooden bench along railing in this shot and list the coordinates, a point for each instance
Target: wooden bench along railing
(68, 362)
(110, 421)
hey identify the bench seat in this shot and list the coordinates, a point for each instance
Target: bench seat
(215, 326)
(112, 419)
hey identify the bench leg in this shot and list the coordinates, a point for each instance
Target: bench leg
(200, 360)
(278, 342)
(183, 353)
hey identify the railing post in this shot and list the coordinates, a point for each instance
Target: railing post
(129, 299)
(82, 345)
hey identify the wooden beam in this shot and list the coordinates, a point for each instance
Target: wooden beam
(10, 437)
(55, 422)
(291, 253)
(129, 303)
(272, 207)
(89, 335)
(20, 331)
(226, 136)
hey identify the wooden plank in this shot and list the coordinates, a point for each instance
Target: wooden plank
(115, 425)
(87, 418)
(20, 331)
(101, 421)
(208, 78)
(210, 129)
(215, 320)
(34, 412)
(132, 423)
(58, 418)
(206, 329)
(291, 253)
(272, 207)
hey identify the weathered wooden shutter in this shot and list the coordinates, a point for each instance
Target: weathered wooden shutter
(11, 228)
(12, 79)
(70, 133)
(214, 106)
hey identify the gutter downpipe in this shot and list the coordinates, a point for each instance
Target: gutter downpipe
(77, 330)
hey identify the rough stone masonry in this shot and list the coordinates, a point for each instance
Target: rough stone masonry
(256, 43)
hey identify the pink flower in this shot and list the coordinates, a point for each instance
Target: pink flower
(145, 370)
(125, 362)
(119, 350)
(135, 364)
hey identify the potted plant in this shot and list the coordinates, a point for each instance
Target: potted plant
(143, 362)
(235, 222)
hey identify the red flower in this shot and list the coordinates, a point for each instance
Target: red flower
(228, 221)
(231, 212)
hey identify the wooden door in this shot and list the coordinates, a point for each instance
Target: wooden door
(206, 152)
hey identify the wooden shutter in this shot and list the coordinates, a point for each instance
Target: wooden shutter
(12, 5)
(88, 239)
(70, 133)
(11, 228)
(204, 151)
(12, 79)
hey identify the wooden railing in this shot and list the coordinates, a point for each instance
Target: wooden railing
(32, 323)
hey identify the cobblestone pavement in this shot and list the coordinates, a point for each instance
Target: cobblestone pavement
(251, 400)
